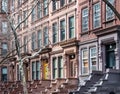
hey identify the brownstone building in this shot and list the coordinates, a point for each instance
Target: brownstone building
(98, 48)
(52, 28)
(79, 42)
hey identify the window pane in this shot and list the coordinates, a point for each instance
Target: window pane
(62, 30)
(54, 68)
(4, 74)
(24, 16)
(39, 39)
(62, 3)
(96, 15)
(37, 70)
(71, 27)
(33, 41)
(85, 64)
(39, 10)
(4, 27)
(93, 58)
(60, 67)
(85, 19)
(54, 32)
(25, 44)
(109, 12)
(4, 48)
(54, 5)
(4, 5)
(33, 14)
(45, 36)
(33, 70)
(45, 2)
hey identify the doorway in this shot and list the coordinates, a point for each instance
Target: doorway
(110, 55)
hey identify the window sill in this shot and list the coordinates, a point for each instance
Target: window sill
(108, 21)
(84, 75)
(84, 33)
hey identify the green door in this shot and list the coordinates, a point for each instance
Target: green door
(110, 55)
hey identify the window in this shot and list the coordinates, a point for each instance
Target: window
(85, 19)
(4, 27)
(4, 74)
(13, 47)
(24, 16)
(19, 77)
(57, 67)
(85, 64)
(93, 53)
(54, 5)
(45, 36)
(39, 10)
(25, 44)
(71, 27)
(54, 32)
(33, 15)
(13, 5)
(4, 49)
(19, 20)
(19, 2)
(4, 5)
(62, 3)
(54, 68)
(39, 39)
(36, 70)
(96, 15)
(62, 30)
(45, 7)
(109, 12)
(33, 41)
(60, 67)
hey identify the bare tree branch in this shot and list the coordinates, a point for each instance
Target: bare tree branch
(112, 8)
(27, 15)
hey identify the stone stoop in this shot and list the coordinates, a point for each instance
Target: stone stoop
(110, 82)
(87, 82)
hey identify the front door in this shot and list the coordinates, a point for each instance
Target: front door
(110, 55)
(45, 69)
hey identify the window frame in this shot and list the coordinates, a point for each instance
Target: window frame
(4, 5)
(45, 7)
(36, 70)
(4, 49)
(62, 3)
(33, 41)
(62, 30)
(57, 67)
(4, 27)
(45, 30)
(54, 32)
(39, 10)
(71, 27)
(83, 61)
(85, 17)
(4, 75)
(39, 38)
(107, 18)
(93, 67)
(25, 44)
(96, 15)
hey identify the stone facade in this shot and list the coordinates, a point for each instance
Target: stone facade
(79, 42)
